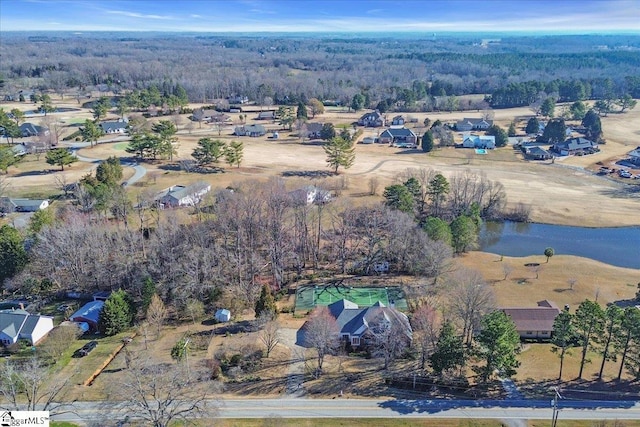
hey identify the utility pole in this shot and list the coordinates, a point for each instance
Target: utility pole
(554, 405)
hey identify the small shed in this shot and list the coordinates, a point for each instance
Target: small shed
(223, 315)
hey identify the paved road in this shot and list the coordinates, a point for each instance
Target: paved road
(139, 171)
(372, 408)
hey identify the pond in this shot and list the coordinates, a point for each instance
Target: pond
(618, 246)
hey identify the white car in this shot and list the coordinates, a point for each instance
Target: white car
(624, 174)
(404, 145)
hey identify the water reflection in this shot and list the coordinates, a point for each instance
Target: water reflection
(616, 246)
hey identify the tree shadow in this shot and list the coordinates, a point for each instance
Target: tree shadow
(37, 173)
(309, 174)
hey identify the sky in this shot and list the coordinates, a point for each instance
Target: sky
(543, 16)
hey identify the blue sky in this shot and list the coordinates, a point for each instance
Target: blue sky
(573, 16)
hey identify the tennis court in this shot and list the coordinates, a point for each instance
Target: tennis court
(307, 297)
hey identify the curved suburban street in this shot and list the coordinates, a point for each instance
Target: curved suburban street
(139, 171)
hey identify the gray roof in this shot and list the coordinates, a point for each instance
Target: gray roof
(398, 132)
(537, 151)
(575, 144)
(113, 126)
(17, 323)
(374, 115)
(28, 202)
(266, 114)
(351, 318)
(11, 323)
(180, 191)
(249, 129)
(29, 129)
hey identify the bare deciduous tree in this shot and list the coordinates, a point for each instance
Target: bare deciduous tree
(159, 394)
(373, 185)
(321, 333)
(156, 314)
(270, 332)
(507, 269)
(389, 336)
(470, 298)
(426, 323)
(28, 385)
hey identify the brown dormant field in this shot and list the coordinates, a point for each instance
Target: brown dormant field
(559, 193)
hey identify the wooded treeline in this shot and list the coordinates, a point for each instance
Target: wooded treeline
(286, 70)
(256, 234)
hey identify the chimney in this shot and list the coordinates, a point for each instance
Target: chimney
(21, 306)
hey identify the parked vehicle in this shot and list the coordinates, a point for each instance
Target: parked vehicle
(86, 349)
(624, 174)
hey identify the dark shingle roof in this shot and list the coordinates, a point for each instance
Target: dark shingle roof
(398, 132)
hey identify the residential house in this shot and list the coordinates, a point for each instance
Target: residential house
(209, 115)
(266, 115)
(250, 130)
(237, 99)
(357, 325)
(397, 121)
(180, 195)
(313, 130)
(634, 155)
(8, 204)
(308, 195)
(116, 126)
(19, 324)
(88, 315)
(575, 146)
(468, 124)
(21, 95)
(373, 119)
(536, 153)
(398, 136)
(479, 141)
(29, 129)
(534, 322)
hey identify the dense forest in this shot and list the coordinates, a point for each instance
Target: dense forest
(404, 72)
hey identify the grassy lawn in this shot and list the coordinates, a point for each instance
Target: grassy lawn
(85, 366)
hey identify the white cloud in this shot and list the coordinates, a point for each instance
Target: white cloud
(138, 15)
(263, 11)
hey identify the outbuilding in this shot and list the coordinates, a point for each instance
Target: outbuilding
(223, 315)
(89, 313)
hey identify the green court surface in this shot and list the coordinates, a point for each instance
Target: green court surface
(307, 297)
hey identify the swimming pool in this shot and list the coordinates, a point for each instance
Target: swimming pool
(481, 151)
